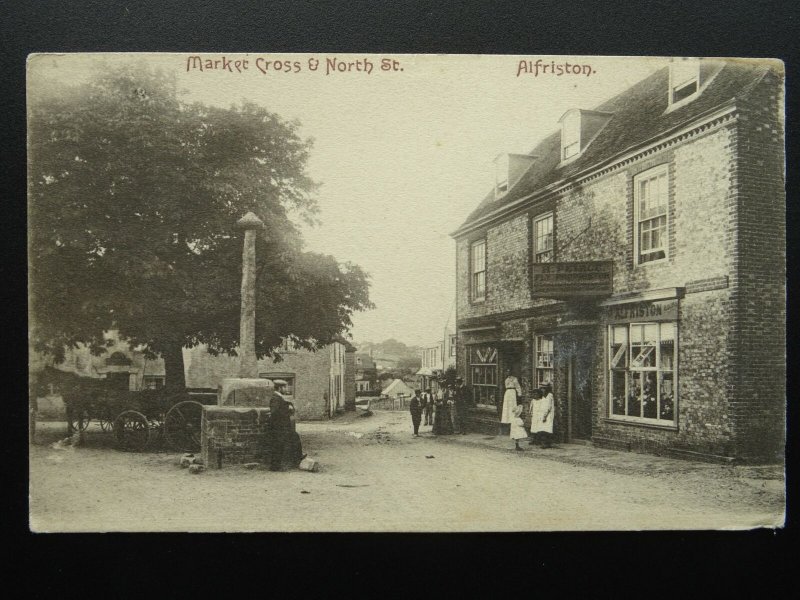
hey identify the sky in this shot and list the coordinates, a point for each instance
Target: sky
(403, 154)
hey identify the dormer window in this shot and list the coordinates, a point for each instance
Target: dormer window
(688, 77)
(571, 135)
(578, 129)
(509, 168)
(500, 175)
(684, 79)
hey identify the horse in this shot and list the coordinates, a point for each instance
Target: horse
(81, 395)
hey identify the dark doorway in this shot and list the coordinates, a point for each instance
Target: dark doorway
(580, 399)
(578, 357)
(119, 382)
(512, 354)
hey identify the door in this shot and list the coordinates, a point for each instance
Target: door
(579, 398)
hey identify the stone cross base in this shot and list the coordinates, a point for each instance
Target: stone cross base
(234, 435)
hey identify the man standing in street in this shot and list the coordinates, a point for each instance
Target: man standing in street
(415, 407)
(427, 407)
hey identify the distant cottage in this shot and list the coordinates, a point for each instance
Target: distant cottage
(636, 259)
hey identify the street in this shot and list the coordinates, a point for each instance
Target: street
(376, 477)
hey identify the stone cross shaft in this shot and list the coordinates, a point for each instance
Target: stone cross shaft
(248, 365)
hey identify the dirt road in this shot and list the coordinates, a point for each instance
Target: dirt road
(376, 477)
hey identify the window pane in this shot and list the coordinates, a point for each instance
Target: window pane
(635, 395)
(618, 392)
(685, 91)
(619, 348)
(667, 396)
(570, 150)
(667, 349)
(649, 396)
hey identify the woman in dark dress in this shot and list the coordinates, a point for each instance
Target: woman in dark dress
(442, 422)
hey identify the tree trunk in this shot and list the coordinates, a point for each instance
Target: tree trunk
(175, 376)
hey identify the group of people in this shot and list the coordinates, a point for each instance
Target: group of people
(541, 410)
(444, 411)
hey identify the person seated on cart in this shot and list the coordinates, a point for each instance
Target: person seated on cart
(284, 440)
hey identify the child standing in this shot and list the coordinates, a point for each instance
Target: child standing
(518, 427)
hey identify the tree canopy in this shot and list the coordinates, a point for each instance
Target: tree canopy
(133, 198)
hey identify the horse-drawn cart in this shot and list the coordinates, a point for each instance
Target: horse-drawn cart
(136, 418)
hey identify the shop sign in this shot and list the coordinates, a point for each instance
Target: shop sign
(663, 310)
(572, 279)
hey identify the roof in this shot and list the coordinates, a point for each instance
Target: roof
(366, 361)
(639, 115)
(397, 386)
(348, 346)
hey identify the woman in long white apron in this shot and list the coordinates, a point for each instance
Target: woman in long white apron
(542, 410)
(510, 398)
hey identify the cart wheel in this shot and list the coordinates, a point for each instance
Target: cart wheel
(80, 421)
(107, 422)
(182, 426)
(132, 431)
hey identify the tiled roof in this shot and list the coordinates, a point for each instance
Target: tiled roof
(638, 116)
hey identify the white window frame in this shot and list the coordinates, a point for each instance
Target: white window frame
(552, 251)
(656, 370)
(648, 175)
(487, 366)
(538, 364)
(473, 288)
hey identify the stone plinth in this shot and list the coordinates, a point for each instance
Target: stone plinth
(244, 392)
(233, 435)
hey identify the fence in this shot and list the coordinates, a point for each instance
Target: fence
(388, 402)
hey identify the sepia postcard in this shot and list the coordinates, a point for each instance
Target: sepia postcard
(405, 293)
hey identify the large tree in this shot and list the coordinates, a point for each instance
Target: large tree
(133, 197)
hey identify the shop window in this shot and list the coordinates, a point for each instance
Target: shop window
(544, 359)
(478, 269)
(642, 371)
(543, 239)
(153, 382)
(288, 378)
(483, 375)
(650, 204)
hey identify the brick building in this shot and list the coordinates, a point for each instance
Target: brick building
(636, 259)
